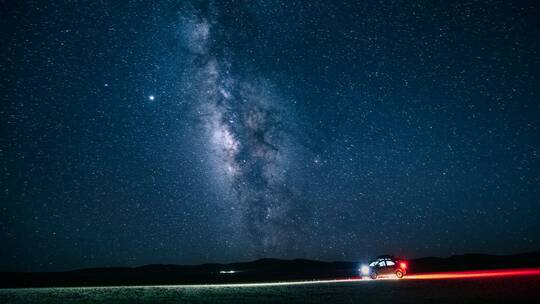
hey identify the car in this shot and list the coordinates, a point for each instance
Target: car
(385, 265)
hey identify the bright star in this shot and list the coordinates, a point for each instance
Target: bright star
(151, 97)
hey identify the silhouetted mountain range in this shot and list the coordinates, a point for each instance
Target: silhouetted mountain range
(263, 270)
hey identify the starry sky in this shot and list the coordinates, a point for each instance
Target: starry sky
(137, 132)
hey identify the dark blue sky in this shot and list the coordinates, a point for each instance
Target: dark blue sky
(199, 131)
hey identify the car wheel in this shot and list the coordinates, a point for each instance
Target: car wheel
(399, 274)
(373, 275)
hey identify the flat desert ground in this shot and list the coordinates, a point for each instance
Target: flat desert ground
(483, 290)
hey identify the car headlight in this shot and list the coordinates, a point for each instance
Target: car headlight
(364, 269)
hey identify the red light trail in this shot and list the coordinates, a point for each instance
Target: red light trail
(474, 274)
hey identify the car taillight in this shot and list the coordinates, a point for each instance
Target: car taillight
(403, 265)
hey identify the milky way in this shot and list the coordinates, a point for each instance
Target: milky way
(247, 138)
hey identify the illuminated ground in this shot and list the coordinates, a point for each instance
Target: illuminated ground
(462, 287)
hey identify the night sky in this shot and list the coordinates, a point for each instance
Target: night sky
(216, 131)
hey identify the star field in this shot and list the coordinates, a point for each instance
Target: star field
(217, 131)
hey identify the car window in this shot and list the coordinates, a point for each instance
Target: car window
(372, 264)
(390, 263)
(381, 264)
